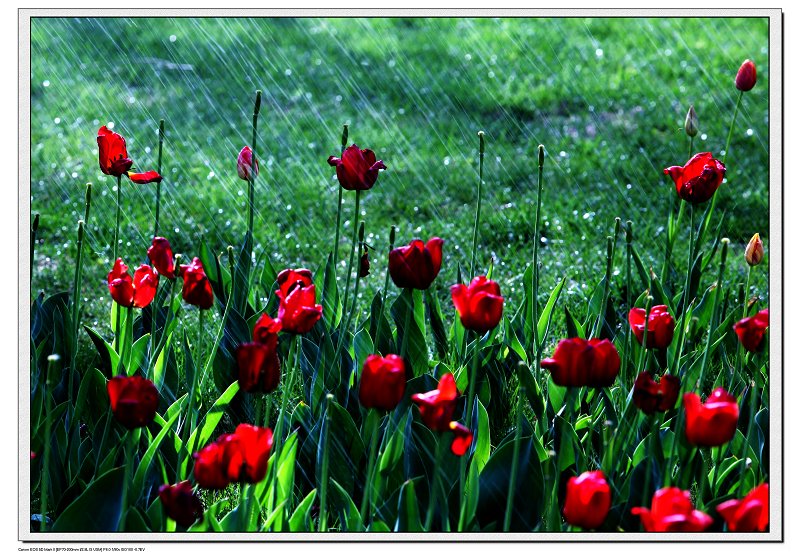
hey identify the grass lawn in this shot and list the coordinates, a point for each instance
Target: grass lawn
(606, 97)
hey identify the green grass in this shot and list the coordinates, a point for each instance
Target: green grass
(606, 97)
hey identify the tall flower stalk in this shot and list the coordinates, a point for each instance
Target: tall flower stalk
(534, 318)
(251, 181)
(158, 169)
(345, 133)
(478, 207)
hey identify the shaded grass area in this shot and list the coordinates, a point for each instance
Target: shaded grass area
(607, 98)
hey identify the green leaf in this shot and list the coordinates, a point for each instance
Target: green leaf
(417, 347)
(437, 323)
(543, 325)
(206, 428)
(301, 517)
(160, 368)
(98, 509)
(349, 516)
(147, 458)
(394, 448)
(385, 344)
(408, 520)
(138, 350)
(108, 356)
(92, 392)
(574, 327)
(512, 341)
(331, 305)
(362, 346)
(483, 444)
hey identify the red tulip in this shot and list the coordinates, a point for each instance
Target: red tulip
(437, 406)
(138, 291)
(416, 266)
(462, 438)
(144, 177)
(246, 453)
(114, 160)
(266, 331)
(479, 305)
(749, 514)
(711, 424)
(383, 382)
(357, 169)
(697, 181)
(588, 500)
(578, 362)
(672, 511)
(134, 400)
(244, 165)
(181, 503)
(660, 326)
(363, 265)
(209, 469)
(160, 254)
(298, 310)
(259, 367)
(750, 331)
(197, 289)
(651, 396)
(746, 76)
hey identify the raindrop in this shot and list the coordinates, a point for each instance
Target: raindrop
(46, 83)
(57, 120)
(703, 137)
(212, 175)
(131, 100)
(467, 57)
(749, 131)
(172, 38)
(599, 52)
(288, 72)
(110, 125)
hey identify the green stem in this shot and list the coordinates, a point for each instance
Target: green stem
(652, 451)
(436, 466)
(535, 271)
(478, 208)
(643, 354)
(392, 232)
(339, 206)
(52, 371)
(609, 261)
(353, 248)
(730, 130)
(126, 347)
(366, 499)
(407, 324)
(253, 173)
(323, 491)
(163, 340)
(158, 169)
(743, 467)
(117, 328)
(119, 207)
(746, 292)
(628, 302)
(76, 309)
(349, 320)
(473, 379)
(34, 228)
(512, 481)
(713, 327)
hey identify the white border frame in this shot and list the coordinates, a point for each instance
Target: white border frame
(776, 66)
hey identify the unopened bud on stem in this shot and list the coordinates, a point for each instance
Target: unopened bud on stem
(257, 107)
(481, 146)
(691, 124)
(541, 155)
(344, 136)
(754, 252)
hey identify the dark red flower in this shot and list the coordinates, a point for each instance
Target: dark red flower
(363, 265)
(711, 424)
(750, 514)
(750, 331)
(298, 310)
(134, 400)
(137, 291)
(479, 305)
(588, 500)
(160, 254)
(383, 382)
(651, 396)
(209, 468)
(246, 453)
(416, 266)
(746, 76)
(259, 367)
(437, 406)
(578, 362)
(196, 286)
(697, 181)
(266, 331)
(181, 503)
(244, 165)
(660, 326)
(671, 511)
(462, 438)
(357, 169)
(114, 160)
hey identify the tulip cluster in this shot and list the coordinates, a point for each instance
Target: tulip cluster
(238, 457)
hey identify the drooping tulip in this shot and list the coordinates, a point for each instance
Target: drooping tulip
(698, 180)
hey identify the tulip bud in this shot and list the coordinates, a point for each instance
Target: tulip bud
(244, 165)
(541, 155)
(35, 224)
(691, 123)
(344, 136)
(746, 76)
(257, 107)
(481, 147)
(754, 252)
